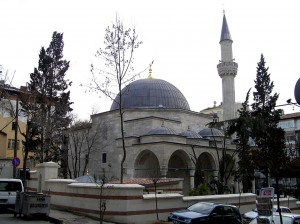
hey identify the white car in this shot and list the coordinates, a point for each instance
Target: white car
(248, 216)
(287, 218)
(8, 191)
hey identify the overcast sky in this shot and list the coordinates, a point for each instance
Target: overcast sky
(182, 37)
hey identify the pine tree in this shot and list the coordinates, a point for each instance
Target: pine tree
(48, 103)
(260, 125)
(269, 138)
(270, 156)
(242, 128)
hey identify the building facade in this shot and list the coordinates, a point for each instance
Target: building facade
(10, 133)
(290, 123)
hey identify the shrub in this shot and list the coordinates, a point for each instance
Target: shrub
(201, 189)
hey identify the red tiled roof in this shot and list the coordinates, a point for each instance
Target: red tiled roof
(144, 181)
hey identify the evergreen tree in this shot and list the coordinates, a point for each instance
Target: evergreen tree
(270, 156)
(260, 125)
(48, 103)
(269, 138)
(225, 156)
(242, 128)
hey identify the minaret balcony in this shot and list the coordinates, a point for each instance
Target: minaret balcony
(227, 68)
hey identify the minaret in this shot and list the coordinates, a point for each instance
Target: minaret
(227, 70)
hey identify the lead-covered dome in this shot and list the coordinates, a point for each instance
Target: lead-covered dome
(162, 131)
(151, 93)
(211, 132)
(190, 134)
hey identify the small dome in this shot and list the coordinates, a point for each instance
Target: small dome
(211, 132)
(162, 131)
(190, 134)
(151, 93)
(85, 179)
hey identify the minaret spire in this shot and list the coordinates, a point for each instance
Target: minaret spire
(225, 33)
(227, 70)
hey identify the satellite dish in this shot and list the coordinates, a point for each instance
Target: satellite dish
(297, 91)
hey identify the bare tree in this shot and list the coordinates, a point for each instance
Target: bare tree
(198, 173)
(103, 184)
(117, 55)
(82, 143)
(226, 157)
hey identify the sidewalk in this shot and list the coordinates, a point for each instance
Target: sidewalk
(63, 217)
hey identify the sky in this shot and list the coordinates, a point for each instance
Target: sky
(182, 37)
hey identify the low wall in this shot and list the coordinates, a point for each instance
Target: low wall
(125, 203)
(6, 168)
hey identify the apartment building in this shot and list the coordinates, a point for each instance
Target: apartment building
(10, 133)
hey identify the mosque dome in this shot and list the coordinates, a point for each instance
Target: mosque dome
(211, 132)
(190, 134)
(162, 131)
(151, 93)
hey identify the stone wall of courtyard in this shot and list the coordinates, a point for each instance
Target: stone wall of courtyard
(125, 203)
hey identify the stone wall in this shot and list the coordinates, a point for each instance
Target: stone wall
(126, 203)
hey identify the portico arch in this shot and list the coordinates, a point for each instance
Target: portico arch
(146, 165)
(205, 168)
(178, 167)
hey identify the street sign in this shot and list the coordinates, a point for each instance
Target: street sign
(267, 192)
(16, 161)
(264, 206)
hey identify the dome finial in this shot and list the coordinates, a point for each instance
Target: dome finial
(150, 70)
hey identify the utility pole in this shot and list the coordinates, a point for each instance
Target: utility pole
(16, 136)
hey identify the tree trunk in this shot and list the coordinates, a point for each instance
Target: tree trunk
(123, 146)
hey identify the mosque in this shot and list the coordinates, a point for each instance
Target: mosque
(161, 132)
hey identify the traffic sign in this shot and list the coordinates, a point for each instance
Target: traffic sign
(16, 161)
(267, 192)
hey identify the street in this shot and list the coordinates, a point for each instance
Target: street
(56, 217)
(7, 218)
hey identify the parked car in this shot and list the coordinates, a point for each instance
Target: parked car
(207, 213)
(248, 216)
(287, 218)
(8, 191)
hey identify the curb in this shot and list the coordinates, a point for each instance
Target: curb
(55, 220)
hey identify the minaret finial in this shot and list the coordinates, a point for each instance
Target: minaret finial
(150, 70)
